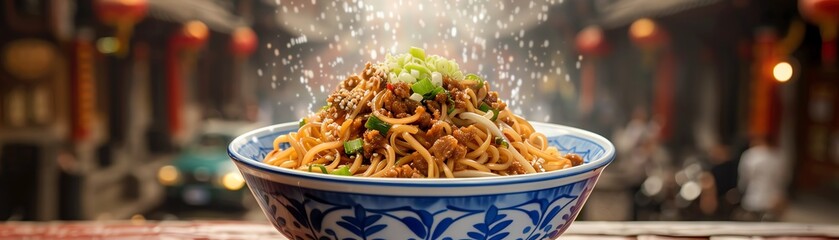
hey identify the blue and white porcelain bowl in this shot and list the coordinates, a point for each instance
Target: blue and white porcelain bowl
(305, 205)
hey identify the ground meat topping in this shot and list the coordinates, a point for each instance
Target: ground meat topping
(433, 109)
(462, 134)
(446, 148)
(516, 168)
(404, 171)
(418, 162)
(437, 130)
(574, 158)
(402, 90)
(373, 141)
(425, 120)
(507, 120)
(396, 106)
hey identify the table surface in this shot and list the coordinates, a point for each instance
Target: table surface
(252, 230)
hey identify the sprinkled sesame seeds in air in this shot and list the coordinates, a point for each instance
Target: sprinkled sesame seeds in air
(508, 43)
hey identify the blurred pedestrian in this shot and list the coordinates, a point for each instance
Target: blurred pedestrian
(763, 179)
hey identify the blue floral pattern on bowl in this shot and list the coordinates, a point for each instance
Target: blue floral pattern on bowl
(308, 207)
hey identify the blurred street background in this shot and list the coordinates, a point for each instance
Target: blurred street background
(123, 109)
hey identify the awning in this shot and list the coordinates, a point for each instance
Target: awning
(217, 15)
(624, 12)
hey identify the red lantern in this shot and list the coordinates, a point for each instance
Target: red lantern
(243, 42)
(189, 38)
(820, 11)
(122, 14)
(647, 34)
(590, 41)
(825, 13)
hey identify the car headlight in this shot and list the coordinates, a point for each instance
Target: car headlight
(168, 175)
(233, 181)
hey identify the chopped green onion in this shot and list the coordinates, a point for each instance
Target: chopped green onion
(353, 146)
(417, 52)
(500, 142)
(486, 108)
(420, 69)
(416, 59)
(302, 122)
(342, 170)
(437, 78)
(427, 89)
(475, 78)
(416, 97)
(374, 123)
(406, 78)
(322, 168)
(423, 87)
(327, 106)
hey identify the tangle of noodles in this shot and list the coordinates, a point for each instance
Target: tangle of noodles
(416, 116)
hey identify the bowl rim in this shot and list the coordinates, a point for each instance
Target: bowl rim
(258, 165)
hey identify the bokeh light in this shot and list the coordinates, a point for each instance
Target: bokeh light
(782, 71)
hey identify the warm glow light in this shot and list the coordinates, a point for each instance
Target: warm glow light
(138, 219)
(107, 45)
(642, 28)
(196, 29)
(782, 71)
(233, 181)
(168, 175)
(591, 41)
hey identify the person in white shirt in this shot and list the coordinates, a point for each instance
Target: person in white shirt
(763, 179)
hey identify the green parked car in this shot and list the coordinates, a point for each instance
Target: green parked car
(202, 175)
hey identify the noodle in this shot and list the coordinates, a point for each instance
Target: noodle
(396, 119)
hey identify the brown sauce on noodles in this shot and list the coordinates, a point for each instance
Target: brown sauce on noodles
(416, 139)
